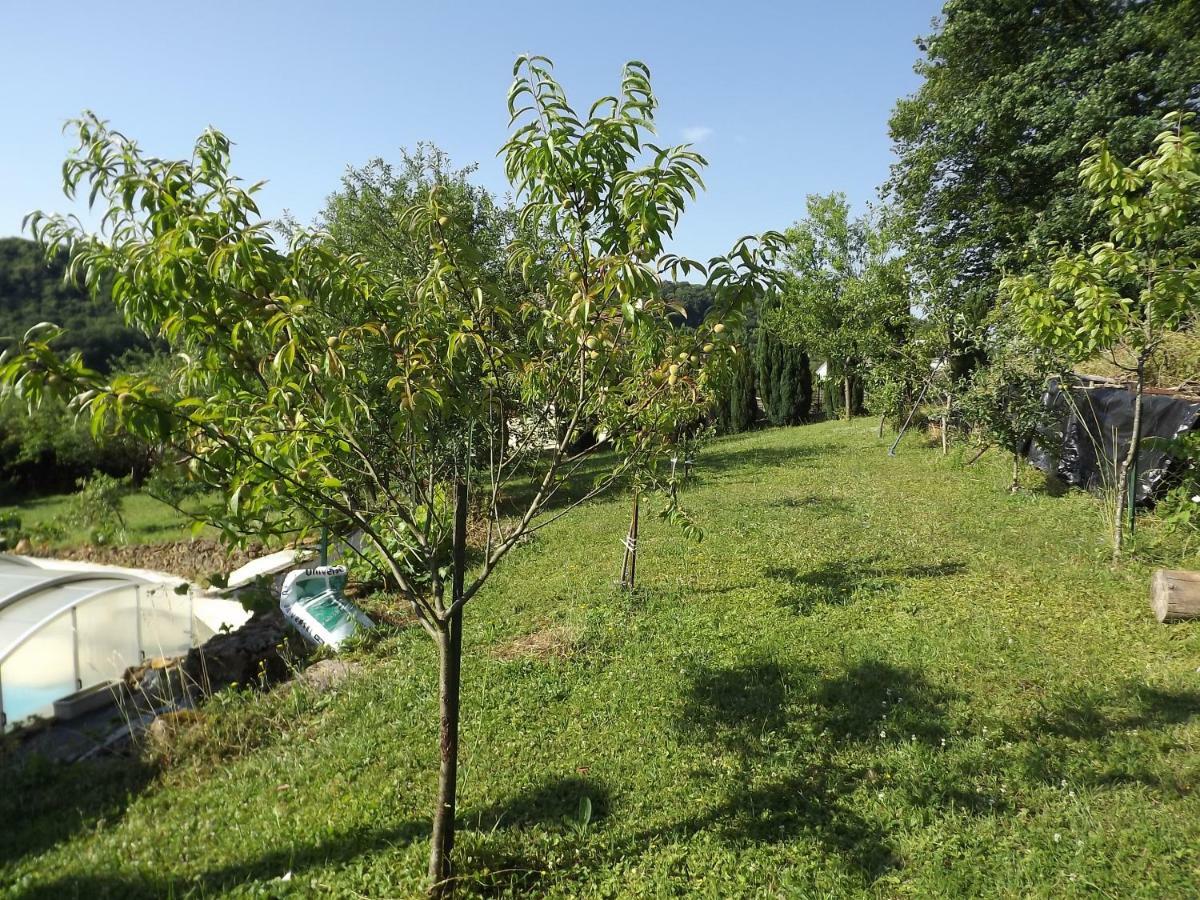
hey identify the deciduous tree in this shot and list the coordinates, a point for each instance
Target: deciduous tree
(845, 297)
(989, 143)
(315, 387)
(1129, 291)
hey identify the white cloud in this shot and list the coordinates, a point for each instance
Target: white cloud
(696, 133)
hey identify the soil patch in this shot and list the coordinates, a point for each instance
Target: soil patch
(195, 560)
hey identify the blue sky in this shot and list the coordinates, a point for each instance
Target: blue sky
(784, 99)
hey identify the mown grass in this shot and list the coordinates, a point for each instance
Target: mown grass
(874, 677)
(147, 520)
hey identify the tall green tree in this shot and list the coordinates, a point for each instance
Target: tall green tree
(365, 217)
(695, 300)
(845, 297)
(366, 214)
(988, 145)
(1131, 290)
(49, 449)
(316, 388)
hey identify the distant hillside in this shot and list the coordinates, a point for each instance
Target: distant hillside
(696, 299)
(32, 291)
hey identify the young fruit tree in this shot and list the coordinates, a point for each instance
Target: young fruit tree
(1004, 400)
(313, 388)
(895, 379)
(1124, 295)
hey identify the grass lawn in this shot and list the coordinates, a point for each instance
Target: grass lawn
(874, 677)
(147, 520)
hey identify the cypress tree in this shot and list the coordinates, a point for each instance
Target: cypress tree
(737, 406)
(784, 380)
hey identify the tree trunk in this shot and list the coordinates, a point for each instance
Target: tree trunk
(629, 562)
(982, 450)
(633, 553)
(849, 398)
(881, 420)
(441, 848)
(1135, 441)
(1016, 475)
(946, 426)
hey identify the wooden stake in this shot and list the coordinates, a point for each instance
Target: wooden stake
(629, 561)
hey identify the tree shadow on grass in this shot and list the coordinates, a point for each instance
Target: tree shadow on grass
(842, 582)
(1095, 736)
(1087, 714)
(576, 481)
(821, 506)
(568, 805)
(153, 529)
(53, 801)
(785, 727)
(724, 458)
(746, 708)
(556, 801)
(1051, 485)
(808, 751)
(484, 867)
(338, 850)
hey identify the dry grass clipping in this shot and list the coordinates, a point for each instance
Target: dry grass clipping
(547, 642)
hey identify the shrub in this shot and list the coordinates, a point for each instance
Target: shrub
(97, 508)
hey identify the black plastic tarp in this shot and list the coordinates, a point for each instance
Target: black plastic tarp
(1093, 428)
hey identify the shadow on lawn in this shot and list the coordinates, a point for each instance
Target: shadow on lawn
(1094, 736)
(553, 802)
(808, 753)
(724, 458)
(54, 801)
(154, 529)
(337, 850)
(1084, 713)
(488, 869)
(842, 582)
(811, 503)
(576, 480)
(787, 728)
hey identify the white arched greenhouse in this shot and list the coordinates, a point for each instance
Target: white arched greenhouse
(62, 632)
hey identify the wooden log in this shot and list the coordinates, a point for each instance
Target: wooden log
(1175, 595)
